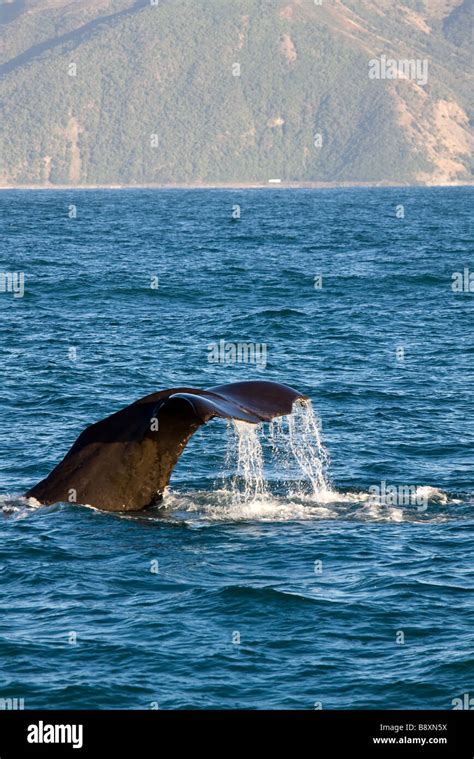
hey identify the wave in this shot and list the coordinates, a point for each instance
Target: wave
(219, 505)
(207, 507)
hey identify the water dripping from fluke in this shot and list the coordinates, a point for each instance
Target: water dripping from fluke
(287, 455)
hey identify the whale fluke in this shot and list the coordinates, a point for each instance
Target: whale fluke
(125, 461)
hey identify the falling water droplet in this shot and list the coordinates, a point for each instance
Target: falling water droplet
(304, 438)
(248, 483)
(300, 460)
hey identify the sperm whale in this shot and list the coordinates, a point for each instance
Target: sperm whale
(124, 462)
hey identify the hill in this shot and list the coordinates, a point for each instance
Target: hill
(235, 91)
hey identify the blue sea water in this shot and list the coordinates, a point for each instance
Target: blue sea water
(288, 603)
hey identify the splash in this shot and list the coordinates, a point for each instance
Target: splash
(296, 458)
(299, 451)
(200, 508)
(249, 482)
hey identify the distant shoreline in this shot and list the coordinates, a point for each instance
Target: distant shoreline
(270, 185)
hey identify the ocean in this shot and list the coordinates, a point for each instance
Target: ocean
(339, 577)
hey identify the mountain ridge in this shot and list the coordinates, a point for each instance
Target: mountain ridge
(115, 92)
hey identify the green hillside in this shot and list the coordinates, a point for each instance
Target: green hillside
(155, 97)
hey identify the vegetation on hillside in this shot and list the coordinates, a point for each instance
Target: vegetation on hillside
(122, 92)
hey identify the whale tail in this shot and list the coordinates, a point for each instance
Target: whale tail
(125, 461)
(251, 401)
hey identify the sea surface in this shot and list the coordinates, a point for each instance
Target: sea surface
(282, 596)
